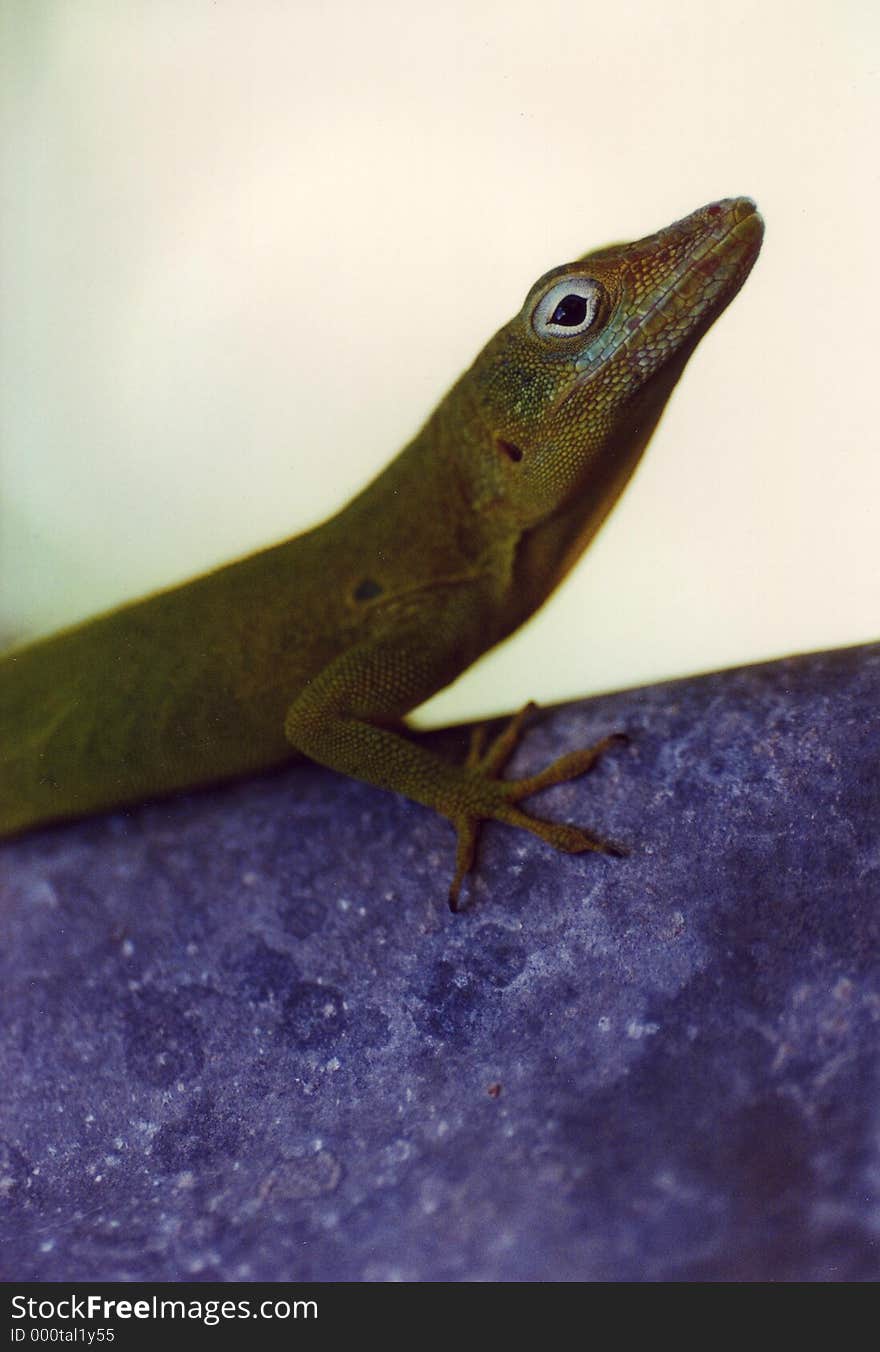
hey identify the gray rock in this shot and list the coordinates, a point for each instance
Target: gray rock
(244, 1038)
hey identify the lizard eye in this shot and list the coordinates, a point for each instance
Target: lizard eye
(571, 306)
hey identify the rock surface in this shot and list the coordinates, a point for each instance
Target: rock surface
(244, 1039)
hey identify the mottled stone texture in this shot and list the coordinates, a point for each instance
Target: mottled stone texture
(243, 1037)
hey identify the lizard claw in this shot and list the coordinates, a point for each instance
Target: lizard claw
(468, 829)
(488, 764)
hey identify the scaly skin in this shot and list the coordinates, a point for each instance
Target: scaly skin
(321, 645)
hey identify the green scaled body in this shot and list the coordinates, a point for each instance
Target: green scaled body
(320, 646)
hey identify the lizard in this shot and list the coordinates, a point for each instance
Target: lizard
(319, 646)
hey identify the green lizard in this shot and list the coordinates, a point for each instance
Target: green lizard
(320, 645)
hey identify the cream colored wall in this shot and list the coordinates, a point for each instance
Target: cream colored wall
(245, 246)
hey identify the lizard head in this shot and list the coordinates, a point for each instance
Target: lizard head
(571, 388)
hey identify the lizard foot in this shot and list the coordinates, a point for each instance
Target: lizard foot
(488, 764)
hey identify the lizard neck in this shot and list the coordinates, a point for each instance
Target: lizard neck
(545, 553)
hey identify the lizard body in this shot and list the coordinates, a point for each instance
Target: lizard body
(320, 645)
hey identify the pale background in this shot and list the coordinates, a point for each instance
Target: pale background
(245, 246)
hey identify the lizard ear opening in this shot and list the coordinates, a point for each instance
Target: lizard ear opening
(507, 448)
(571, 306)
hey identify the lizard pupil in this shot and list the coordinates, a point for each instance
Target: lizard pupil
(571, 311)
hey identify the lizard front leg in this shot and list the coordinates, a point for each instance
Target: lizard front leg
(342, 721)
